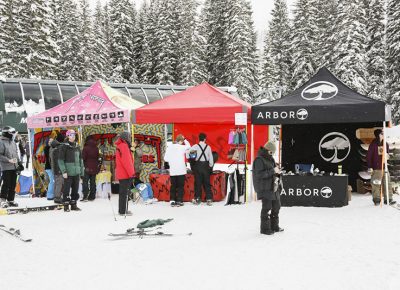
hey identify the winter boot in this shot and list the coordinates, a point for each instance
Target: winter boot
(265, 227)
(58, 200)
(376, 201)
(209, 202)
(196, 201)
(74, 206)
(66, 206)
(12, 204)
(3, 203)
(275, 224)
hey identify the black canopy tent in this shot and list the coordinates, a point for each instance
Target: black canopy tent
(323, 99)
(319, 121)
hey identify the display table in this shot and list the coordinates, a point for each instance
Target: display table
(318, 191)
(161, 183)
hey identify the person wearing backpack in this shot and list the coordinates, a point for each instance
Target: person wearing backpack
(265, 179)
(204, 163)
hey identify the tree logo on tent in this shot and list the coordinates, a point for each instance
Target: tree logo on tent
(326, 192)
(302, 114)
(334, 147)
(319, 91)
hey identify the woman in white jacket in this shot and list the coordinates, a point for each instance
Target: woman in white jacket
(175, 156)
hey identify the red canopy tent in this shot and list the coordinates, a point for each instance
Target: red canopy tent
(201, 104)
(200, 109)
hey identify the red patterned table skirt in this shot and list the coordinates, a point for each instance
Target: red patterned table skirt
(161, 183)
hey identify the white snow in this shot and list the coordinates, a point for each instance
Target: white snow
(354, 247)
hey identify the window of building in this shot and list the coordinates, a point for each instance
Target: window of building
(138, 95)
(152, 95)
(51, 95)
(34, 103)
(166, 93)
(68, 91)
(81, 88)
(121, 90)
(13, 98)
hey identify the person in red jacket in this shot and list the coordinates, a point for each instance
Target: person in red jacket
(124, 170)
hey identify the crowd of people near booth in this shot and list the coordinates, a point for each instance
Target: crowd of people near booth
(67, 166)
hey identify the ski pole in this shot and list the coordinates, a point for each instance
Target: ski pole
(126, 203)
(109, 198)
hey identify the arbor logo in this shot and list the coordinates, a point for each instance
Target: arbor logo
(334, 147)
(302, 114)
(326, 192)
(319, 91)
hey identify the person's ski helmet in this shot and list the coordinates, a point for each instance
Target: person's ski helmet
(8, 132)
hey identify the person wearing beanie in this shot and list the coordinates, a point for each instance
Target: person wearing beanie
(175, 156)
(9, 161)
(71, 166)
(266, 180)
(376, 167)
(124, 170)
(58, 178)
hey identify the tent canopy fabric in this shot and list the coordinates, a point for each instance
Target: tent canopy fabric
(98, 104)
(200, 104)
(323, 99)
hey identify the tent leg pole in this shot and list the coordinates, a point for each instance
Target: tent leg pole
(386, 166)
(252, 160)
(31, 160)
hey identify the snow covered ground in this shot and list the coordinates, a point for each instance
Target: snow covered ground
(354, 247)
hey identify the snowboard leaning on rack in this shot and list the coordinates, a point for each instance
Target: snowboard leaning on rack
(8, 211)
(14, 232)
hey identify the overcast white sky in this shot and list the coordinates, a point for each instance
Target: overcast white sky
(261, 13)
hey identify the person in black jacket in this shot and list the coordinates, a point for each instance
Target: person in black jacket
(47, 167)
(265, 178)
(58, 178)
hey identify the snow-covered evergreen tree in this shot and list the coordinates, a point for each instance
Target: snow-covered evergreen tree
(142, 52)
(68, 41)
(8, 38)
(100, 61)
(34, 48)
(351, 43)
(276, 55)
(215, 27)
(85, 38)
(303, 42)
(166, 33)
(107, 39)
(122, 27)
(376, 62)
(326, 13)
(393, 57)
(190, 66)
(240, 57)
